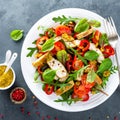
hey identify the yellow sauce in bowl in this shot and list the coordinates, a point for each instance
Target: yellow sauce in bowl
(5, 78)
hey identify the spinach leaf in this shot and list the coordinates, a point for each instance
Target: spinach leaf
(16, 35)
(94, 23)
(36, 75)
(82, 26)
(49, 75)
(48, 45)
(62, 56)
(105, 65)
(91, 55)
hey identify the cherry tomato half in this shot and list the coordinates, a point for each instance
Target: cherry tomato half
(96, 37)
(48, 89)
(62, 29)
(84, 45)
(40, 41)
(57, 47)
(108, 51)
(85, 83)
(77, 64)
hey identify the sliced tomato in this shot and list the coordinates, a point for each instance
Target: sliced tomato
(73, 96)
(85, 83)
(48, 89)
(57, 47)
(77, 64)
(84, 45)
(75, 35)
(62, 29)
(108, 51)
(40, 41)
(96, 37)
(81, 90)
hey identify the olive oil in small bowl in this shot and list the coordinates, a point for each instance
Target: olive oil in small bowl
(6, 79)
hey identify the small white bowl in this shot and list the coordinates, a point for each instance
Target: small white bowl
(14, 76)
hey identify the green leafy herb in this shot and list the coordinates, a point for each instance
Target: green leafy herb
(94, 23)
(16, 35)
(36, 75)
(79, 56)
(103, 40)
(49, 75)
(91, 55)
(105, 65)
(32, 50)
(68, 101)
(64, 20)
(77, 73)
(113, 69)
(62, 56)
(82, 26)
(48, 45)
(91, 76)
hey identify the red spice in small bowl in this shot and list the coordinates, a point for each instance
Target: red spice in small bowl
(18, 95)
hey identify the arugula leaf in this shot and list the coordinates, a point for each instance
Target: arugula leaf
(79, 56)
(77, 73)
(49, 75)
(113, 69)
(32, 50)
(48, 45)
(91, 76)
(62, 56)
(64, 20)
(16, 35)
(94, 23)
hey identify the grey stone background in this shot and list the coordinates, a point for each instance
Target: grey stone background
(23, 14)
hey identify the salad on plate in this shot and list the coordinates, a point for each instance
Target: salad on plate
(72, 59)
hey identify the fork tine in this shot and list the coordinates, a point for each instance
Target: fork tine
(110, 27)
(113, 24)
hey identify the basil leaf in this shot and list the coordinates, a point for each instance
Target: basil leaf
(105, 65)
(94, 23)
(91, 55)
(49, 75)
(16, 35)
(81, 26)
(48, 45)
(91, 76)
(62, 56)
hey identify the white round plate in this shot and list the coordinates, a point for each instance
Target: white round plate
(28, 70)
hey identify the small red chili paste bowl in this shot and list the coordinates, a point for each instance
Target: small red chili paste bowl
(18, 95)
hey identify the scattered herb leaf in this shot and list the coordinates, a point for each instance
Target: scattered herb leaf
(16, 35)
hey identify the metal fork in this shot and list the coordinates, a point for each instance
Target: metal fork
(113, 37)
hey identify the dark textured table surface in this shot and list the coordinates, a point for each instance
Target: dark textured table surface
(23, 14)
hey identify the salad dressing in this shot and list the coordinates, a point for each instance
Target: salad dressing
(7, 78)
